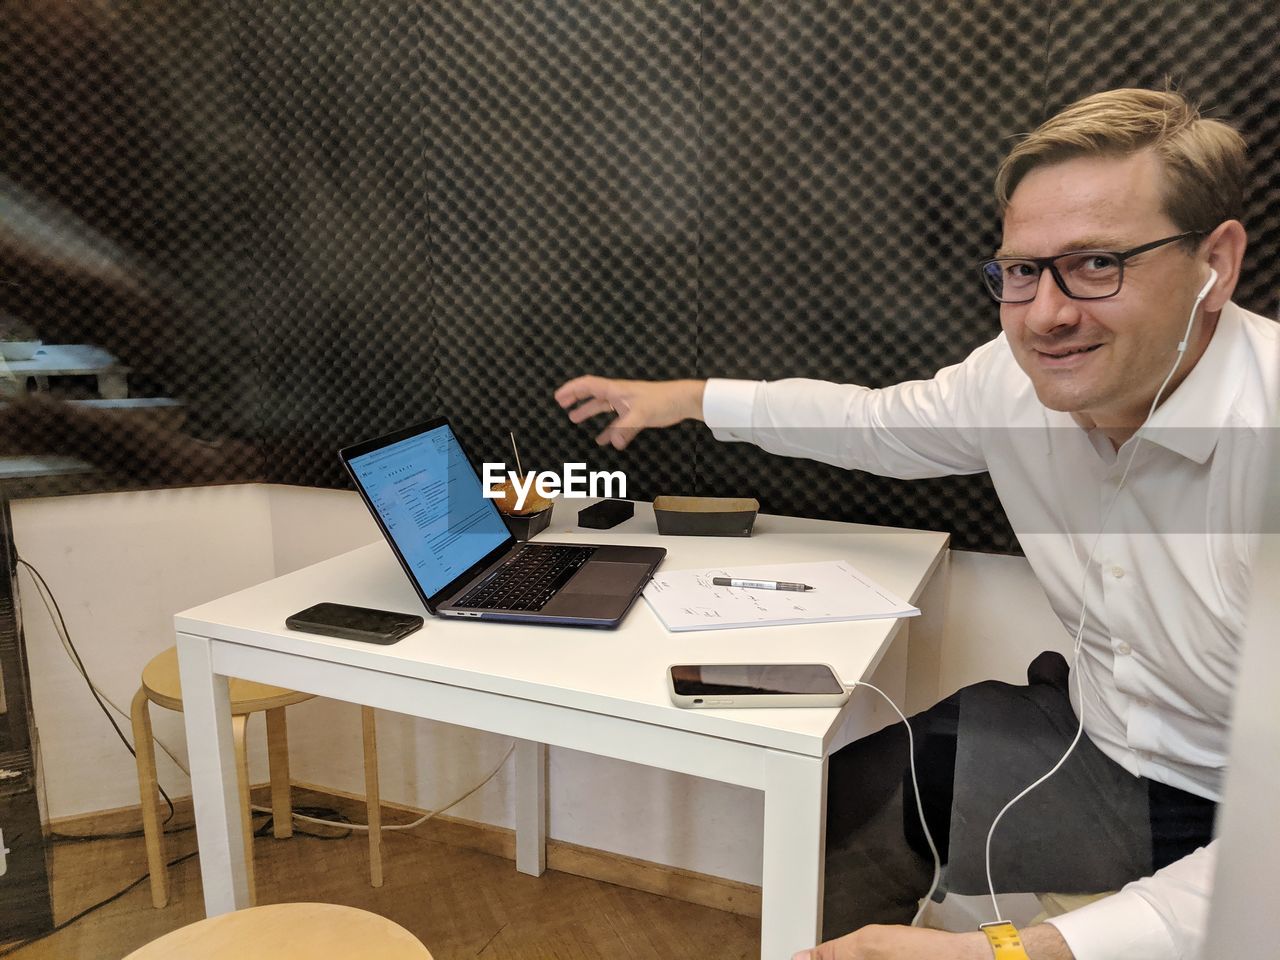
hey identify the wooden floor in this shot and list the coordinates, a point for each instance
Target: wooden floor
(459, 902)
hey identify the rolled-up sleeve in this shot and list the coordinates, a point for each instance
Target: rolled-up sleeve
(1161, 917)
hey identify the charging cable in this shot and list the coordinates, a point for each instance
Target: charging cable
(1078, 640)
(404, 826)
(915, 783)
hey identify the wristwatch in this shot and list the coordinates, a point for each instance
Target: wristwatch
(1004, 939)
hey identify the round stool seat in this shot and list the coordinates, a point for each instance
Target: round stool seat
(288, 931)
(160, 681)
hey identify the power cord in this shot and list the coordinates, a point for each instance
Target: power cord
(325, 815)
(261, 830)
(103, 700)
(64, 635)
(9, 951)
(121, 835)
(329, 817)
(416, 823)
(317, 815)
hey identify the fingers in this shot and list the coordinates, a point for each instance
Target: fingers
(589, 409)
(581, 388)
(618, 434)
(594, 396)
(600, 395)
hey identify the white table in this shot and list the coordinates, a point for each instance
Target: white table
(601, 692)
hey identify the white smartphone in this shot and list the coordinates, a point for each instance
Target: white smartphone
(718, 685)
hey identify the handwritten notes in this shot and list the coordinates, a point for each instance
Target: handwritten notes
(688, 600)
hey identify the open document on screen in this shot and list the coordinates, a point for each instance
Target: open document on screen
(429, 498)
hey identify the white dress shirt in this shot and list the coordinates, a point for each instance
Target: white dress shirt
(1168, 587)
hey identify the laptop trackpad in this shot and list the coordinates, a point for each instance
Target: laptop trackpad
(602, 578)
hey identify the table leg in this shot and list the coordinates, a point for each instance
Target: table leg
(795, 819)
(531, 807)
(206, 707)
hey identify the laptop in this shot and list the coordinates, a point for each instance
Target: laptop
(424, 491)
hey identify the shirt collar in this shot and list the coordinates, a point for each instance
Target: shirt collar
(1190, 421)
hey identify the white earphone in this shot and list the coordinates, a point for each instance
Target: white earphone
(1195, 307)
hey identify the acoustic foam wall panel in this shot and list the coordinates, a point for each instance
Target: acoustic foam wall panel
(121, 215)
(349, 215)
(333, 102)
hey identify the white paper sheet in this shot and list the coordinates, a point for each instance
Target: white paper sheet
(688, 600)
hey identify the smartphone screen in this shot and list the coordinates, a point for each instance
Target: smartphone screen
(354, 623)
(767, 679)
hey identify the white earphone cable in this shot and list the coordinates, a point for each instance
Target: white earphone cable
(1077, 643)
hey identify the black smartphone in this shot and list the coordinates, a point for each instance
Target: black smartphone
(354, 623)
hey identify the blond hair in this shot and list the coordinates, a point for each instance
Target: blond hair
(1204, 160)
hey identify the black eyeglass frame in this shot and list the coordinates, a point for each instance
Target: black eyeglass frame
(1051, 263)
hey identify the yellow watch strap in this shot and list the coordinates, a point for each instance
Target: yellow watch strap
(1004, 939)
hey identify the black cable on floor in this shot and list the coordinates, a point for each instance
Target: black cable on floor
(60, 625)
(318, 813)
(327, 813)
(261, 830)
(124, 835)
(8, 951)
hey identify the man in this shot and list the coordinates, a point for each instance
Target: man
(1115, 213)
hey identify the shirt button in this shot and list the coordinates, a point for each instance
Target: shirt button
(1123, 649)
(1117, 572)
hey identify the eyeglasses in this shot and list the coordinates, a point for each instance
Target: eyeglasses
(1080, 274)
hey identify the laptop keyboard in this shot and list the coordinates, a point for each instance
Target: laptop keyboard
(528, 580)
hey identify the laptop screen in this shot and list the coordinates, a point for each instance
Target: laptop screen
(429, 499)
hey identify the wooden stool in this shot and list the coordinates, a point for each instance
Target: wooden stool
(288, 931)
(160, 686)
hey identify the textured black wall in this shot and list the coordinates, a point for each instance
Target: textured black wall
(328, 220)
